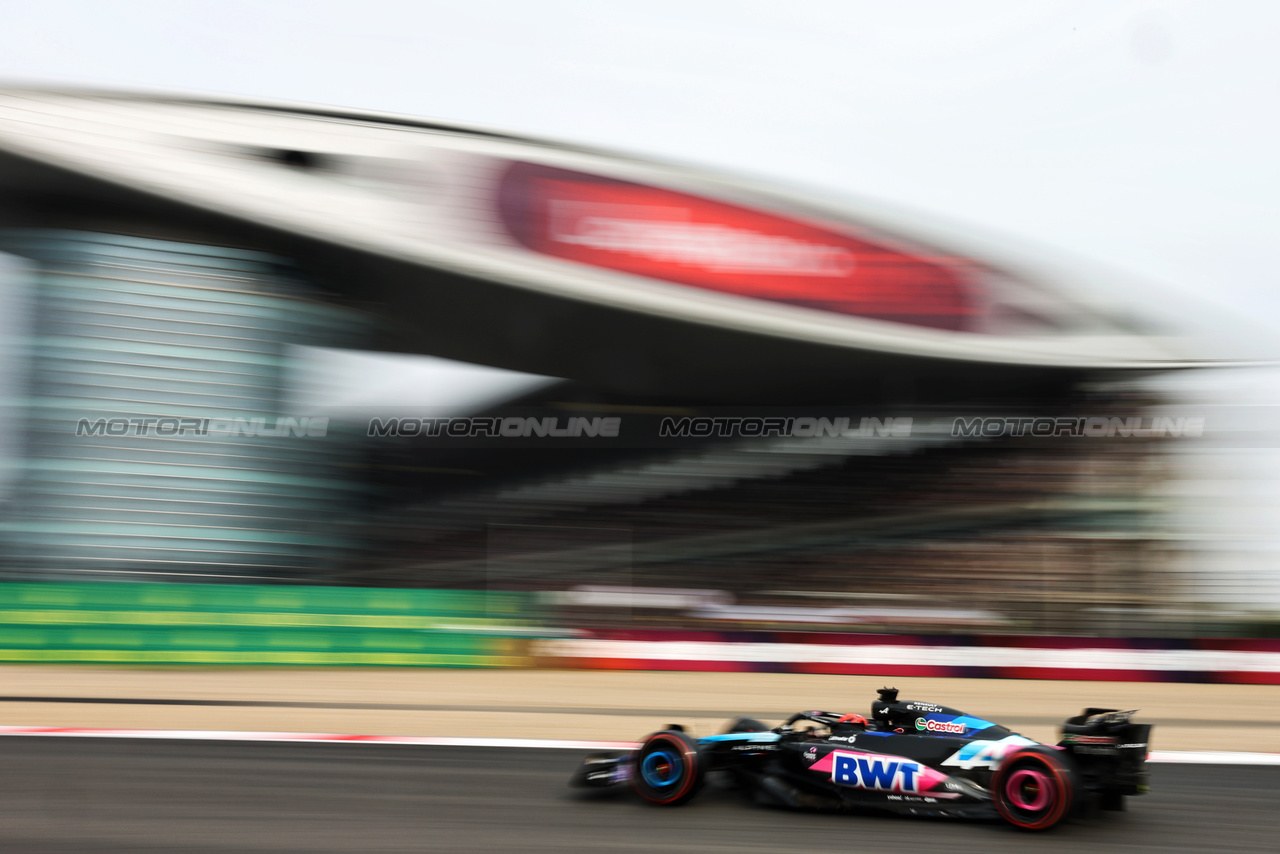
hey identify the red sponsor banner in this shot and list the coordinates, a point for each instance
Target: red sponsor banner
(692, 240)
(911, 655)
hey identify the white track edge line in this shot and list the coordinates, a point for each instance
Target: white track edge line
(312, 737)
(1197, 757)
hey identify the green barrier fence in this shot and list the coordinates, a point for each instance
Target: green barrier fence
(242, 624)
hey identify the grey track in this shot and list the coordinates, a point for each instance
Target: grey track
(112, 796)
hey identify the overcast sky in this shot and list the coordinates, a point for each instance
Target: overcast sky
(1139, 135)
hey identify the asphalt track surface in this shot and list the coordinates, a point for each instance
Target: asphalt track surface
(148, 797)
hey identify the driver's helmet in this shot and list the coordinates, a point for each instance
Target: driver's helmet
(855, 720)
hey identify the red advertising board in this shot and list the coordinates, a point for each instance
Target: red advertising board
(704, 243)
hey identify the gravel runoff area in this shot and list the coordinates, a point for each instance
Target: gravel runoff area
(582, 704)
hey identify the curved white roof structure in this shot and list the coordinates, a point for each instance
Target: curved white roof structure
(547, 258)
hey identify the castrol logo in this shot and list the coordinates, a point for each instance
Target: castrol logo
(931, 725)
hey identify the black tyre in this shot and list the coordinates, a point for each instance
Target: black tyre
(666, 770)
(1034, 789)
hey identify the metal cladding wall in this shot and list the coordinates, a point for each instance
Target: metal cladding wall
(127, 328)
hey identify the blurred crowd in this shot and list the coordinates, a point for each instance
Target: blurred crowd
(1059, 536)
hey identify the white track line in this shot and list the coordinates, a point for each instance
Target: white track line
(322, 737)
(1214, 757)
(1199, 757)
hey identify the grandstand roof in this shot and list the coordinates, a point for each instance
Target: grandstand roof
(560, 260)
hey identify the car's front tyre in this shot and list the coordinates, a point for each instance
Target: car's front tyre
(666, 770)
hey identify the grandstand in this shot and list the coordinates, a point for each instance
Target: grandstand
(650, 290)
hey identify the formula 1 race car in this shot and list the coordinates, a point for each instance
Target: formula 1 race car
(909, 757)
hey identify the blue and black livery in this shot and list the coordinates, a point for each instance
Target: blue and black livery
(910, 757)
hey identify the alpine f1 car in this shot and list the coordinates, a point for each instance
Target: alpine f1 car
(909, 757)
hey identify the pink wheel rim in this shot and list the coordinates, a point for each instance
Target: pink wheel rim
(1028, 789)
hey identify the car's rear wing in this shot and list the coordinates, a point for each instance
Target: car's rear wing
(1110, 750)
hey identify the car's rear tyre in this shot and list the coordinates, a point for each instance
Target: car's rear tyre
(666, 770)
(1034, 789)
